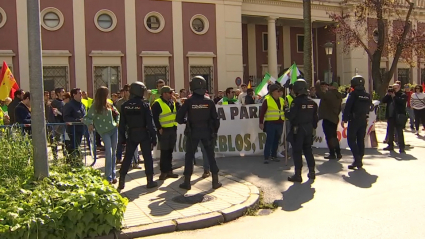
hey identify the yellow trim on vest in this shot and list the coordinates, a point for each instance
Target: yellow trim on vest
(273, 112)
(167, 119)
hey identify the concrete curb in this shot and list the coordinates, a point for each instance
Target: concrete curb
(195, 222)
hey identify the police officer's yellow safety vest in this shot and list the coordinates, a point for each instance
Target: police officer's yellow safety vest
(167, 119)
(273, 112)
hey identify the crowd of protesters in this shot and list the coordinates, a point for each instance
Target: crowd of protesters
(103, 112)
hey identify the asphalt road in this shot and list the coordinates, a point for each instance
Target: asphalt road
(385, 200)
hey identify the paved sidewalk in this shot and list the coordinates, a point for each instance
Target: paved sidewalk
(168, 208)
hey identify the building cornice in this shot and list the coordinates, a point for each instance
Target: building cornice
(325, 6)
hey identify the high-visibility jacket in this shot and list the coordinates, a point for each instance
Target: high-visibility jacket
(87, 103)
(1, 117)
(167, 119)
(273, 111)
(289, 99)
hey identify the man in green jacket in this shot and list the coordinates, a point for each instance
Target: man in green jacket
(329, 110)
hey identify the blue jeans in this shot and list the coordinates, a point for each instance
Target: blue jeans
(273, 132)
(110, 140)
(204, 157)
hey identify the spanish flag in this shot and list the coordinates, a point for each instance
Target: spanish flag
(249, 85)
(8, 84)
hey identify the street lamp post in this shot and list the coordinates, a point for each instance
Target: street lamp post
(329, 49)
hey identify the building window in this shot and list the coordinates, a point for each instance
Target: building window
(154, 22)
(199, 24)
(154, 73)
(422, 76)
(3, 17)
(108, 76)
(51, 19)
(206, 72)
(375, 35)
(403, 75)
(105, 20)
(55, 77)
(300, 43)
(265, 42)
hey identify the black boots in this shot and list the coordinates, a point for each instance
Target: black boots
(170, 174)
(311, 174)
(206, 174)
(151, 183)
(296, 177)
(215, 183)
(186, 184)
(121, 183)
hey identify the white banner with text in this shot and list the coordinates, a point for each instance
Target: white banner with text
(240, 135)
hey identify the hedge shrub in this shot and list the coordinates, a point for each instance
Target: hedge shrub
(70, 203)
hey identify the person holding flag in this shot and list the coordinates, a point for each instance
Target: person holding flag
(8, 84)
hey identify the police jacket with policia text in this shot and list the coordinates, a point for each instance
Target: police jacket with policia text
(136, 120)
(303, 111)
(202, 117)
(164, 113)
(358, 105)
(272, 110)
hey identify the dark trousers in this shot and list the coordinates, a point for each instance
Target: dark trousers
(302, 142)
(356, 133)
(274, 133)
(419, 118)
(191, 146)
(391, 127)
(129, 154)
(330, 130)
(98, 140)
(73, 145)
(167, 142)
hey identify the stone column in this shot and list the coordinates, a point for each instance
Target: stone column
(272, 50)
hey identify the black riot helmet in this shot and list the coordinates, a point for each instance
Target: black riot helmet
(198, 85)
(357, 81)
(137, 89)
(300, 87)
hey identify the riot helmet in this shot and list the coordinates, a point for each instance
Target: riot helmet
(137, 89)
(198, 85)
(300, 87)
(357, 81)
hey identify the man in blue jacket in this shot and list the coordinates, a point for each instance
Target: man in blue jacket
(74, 112)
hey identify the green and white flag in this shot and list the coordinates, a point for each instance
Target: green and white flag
(291, 74)
(261, 89)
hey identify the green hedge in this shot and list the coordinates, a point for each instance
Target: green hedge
(70, 203)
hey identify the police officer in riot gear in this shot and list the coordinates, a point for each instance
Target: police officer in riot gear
(136, 119)
(356, 113)
(199, 113)
(303, 117)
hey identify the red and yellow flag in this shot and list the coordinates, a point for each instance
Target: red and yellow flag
(249, 85)
(8, 84)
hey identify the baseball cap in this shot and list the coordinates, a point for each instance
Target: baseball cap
(166, 89)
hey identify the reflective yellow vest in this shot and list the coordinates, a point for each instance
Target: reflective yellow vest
(1, 117)
(167, 119)
(289, 99)
(273, 112)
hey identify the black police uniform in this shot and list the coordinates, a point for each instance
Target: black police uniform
(136, 119)
(202, 125)
(356, 113)
(303, 117)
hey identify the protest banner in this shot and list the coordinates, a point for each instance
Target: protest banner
(239, 134)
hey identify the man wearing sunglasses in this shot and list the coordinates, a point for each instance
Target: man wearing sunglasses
(229, 98)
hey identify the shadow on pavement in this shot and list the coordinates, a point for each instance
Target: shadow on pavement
(402, 157)
(360, 178)
(296, 195)
(329, 167)
(163, 205)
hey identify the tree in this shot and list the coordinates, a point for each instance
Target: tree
(308, 49)
(401, 43)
